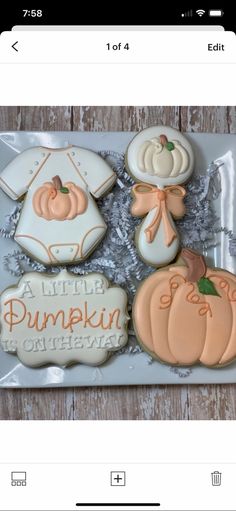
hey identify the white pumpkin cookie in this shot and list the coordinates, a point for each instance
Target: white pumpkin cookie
(159, 158)
(185, 314)
(63, 319)
(59, 222)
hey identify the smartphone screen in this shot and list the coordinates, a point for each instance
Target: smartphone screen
(117, 258)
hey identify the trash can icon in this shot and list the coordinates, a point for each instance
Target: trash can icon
(216, 478)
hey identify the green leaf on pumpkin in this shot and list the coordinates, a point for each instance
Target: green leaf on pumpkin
(63, 189)
(206, 287)
(170, 146)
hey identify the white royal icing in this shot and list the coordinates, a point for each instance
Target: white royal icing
(63, 319)
(53, 241)
(156, 160)
(157, 253)
(150, 162)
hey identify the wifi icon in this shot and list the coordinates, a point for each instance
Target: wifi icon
(200, 12)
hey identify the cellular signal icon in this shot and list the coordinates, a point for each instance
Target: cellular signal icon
(187, 14)
(200, 12)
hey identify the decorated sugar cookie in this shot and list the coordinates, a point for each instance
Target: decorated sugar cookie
(186, 313)
(59, 221)
(159, 159)
(63, 319)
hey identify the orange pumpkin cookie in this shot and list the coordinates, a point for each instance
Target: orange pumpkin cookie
(186, 314)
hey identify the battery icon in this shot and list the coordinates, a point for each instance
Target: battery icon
(216, 12)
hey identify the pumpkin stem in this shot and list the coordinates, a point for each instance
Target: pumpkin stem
(163, 139)
(57, 182)
(196, 264)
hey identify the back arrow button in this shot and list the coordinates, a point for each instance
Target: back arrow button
(14, 46)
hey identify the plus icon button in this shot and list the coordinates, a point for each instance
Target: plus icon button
(117, 478)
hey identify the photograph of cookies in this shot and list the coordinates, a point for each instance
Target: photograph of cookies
(118, 262)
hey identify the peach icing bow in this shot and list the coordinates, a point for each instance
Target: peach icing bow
(170, 199)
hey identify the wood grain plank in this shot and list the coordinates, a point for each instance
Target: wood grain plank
(231, 112)
(36, 404)
(208, 402)
(9, 118)
(131, 403)
(45, 118)
(208, 119)
(123, 118)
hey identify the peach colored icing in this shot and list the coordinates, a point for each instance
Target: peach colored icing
(17, 313)
(51, 204)
(182, 326)
(148, 197)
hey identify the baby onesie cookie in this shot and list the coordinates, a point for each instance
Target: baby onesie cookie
(59, 222)
(186, 314)
(63, 319)
(159, 158)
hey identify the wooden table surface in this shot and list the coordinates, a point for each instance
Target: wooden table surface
(139, 402)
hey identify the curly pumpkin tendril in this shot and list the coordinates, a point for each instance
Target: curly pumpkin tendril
(195, 299)
(192, 297)
(166, 300)
(224, 284)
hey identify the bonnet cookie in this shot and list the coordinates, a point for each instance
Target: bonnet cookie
(186, 313)
(63, 319)
(160, 159)
(59, 222)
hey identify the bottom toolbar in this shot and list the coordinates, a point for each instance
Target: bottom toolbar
(65, 487)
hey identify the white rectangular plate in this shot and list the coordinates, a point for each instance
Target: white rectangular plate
(135, 368)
